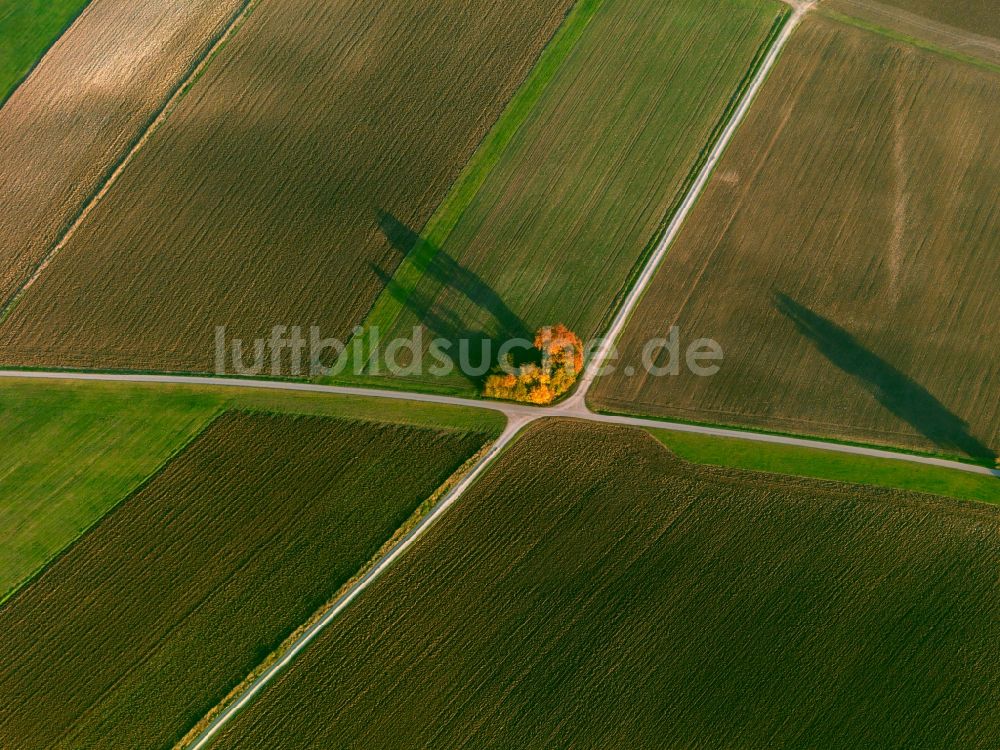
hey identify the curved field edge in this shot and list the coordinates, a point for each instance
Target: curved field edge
(620, 581)
(77, 450)
(31, 34)
(257, 590)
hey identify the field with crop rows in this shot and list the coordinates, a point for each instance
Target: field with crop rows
(151, 618)
(593, 590)
(74, 450)
(66, 128)
(978, 16)
(560, 223)
(843, 256)
(256, 203)
(70, 454)
(970, 41)
(27, 29)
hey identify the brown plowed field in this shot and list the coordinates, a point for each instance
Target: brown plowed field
(257, 202)
(844, 256)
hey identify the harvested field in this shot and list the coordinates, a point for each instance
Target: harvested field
(256, 203)
(594, 591)
(67, 127)
(843, 256)
(148, 621)
(27, 29)
(562, 220)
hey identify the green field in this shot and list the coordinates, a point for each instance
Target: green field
(148, 621)
(842, 256)
(27, 29)
(257, 201)
(838, 467)
(594, 591)
(74, 450)
(71, 453)
(626, 102)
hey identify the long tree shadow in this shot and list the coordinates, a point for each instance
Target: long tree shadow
(445, 324)
(448, 272)
(893, 389)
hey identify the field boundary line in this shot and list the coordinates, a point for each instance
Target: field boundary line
(510, 432)
(140, 485)
(4, 98)
(398, 535)
(981, 50)
(180, 90)
(696, 167)
(578, 399)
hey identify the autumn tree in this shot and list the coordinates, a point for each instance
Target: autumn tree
(561, 363)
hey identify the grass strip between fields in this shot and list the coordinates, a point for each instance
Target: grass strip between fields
(388, 307)
(899, 36)
(75, 451)
(839, 467)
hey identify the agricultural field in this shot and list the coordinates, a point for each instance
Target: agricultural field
(977, 16)
(27, 29)
(594, 590)
(555, 229)
(976, 40)
(257, 201)
(128, 638)
(838, 467)
(842, 256)
(73, 451)
(66, 128)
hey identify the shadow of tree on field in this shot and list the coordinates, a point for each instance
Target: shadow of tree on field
(893, 389)
(448, 272)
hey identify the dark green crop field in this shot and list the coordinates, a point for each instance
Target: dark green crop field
(594, 591)
(148, 621)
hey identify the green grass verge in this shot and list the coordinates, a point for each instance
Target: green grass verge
(27, 29)
(74, 450)
(387, 307)
(840, 467)
(908, 39)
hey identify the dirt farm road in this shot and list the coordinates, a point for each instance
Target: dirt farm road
(518, 416)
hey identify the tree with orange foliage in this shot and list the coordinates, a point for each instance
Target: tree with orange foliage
(562, 362)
